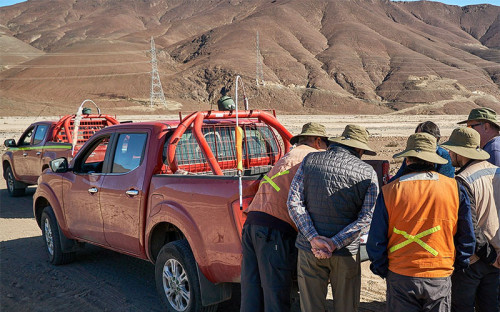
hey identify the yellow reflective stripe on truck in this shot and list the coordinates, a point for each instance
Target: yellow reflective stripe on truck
(29, 148)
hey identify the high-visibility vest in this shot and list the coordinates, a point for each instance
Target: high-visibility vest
(272, 195)
(423, 214)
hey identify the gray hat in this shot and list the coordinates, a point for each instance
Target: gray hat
(423, 146)
(354, 136)
(466, 142)
(313, 129)
(483, 113)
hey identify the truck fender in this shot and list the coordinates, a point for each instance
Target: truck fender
(7, 162)
(171, 212)
(46, 196)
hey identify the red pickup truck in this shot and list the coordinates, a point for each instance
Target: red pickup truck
(166, 192)
(24, 161)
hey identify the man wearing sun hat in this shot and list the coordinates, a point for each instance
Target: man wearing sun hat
(268, 238)
(479, 284)
(421, 230)
(331, 201)
(484, 120)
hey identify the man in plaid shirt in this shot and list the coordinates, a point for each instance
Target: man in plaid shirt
(331, 201)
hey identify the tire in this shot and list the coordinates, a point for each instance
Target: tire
(52, 239)
(14, 187)
(177, 279)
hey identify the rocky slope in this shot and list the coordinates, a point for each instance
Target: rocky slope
(336, 56)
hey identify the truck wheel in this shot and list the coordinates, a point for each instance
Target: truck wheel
(177, 279)
(14, 187)
(51, 236)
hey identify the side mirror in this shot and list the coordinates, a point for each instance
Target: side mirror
(59, 165)
(10, 143)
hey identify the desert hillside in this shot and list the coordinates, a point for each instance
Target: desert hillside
(317, 56)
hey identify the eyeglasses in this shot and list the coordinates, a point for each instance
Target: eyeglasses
(474, 125)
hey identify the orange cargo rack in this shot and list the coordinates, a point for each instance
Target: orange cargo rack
(89, 124)
(196, 119)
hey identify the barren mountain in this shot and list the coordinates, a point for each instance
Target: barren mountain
(336, 56)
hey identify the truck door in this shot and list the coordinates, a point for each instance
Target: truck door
(81, 195)
(33, 156)
(20, 152)
(122, 192)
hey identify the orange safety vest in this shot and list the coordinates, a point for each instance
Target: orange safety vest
(272, 195)
(423, 214)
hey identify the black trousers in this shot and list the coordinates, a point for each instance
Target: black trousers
(269, 258)
(418, 294)
(476, 286)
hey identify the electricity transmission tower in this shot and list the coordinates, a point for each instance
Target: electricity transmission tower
(156, 88)
(259, 77)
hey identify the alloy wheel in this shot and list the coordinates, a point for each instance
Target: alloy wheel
(176, 285)
(49, 238)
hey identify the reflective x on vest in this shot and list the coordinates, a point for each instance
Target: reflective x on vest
(270, 180)
(416, 239)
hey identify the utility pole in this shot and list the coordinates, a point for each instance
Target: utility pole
(156, 88)
(259, 76)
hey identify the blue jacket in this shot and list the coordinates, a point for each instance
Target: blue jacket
(446, 169)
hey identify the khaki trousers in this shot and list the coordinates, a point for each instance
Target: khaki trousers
(344, 274)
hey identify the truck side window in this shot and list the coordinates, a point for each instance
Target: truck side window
(40, 132)
(129, 152)
(26, 138)
(93, 157)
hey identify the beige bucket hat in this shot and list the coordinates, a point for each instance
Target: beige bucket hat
(483, 113)
(310, 129)
(466, 142)
(423, 146)
(354, 136)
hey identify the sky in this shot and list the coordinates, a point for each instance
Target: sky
(452, 2)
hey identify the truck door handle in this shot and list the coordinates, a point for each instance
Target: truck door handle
(132, 192)
(25, 154)
(38, 153)
(93, 190)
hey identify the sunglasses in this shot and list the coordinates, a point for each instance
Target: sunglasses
(474, 125)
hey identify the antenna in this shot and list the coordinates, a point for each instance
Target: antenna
(156, 88)
(259, 72)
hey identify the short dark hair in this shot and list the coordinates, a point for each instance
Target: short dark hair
(306, 139)
(416, 160)
(430, 128)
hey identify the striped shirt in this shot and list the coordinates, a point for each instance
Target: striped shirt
(298, 212)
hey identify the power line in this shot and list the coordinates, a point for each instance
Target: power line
(44, 54)
(74, 65)
(75, 77)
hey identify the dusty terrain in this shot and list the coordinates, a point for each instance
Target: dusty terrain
(102, 280)
(334, 57)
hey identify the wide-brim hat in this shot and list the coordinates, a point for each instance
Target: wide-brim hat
(310, 129)
(423, 146)
(466, 142)
(483, 113)
(354, 136)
